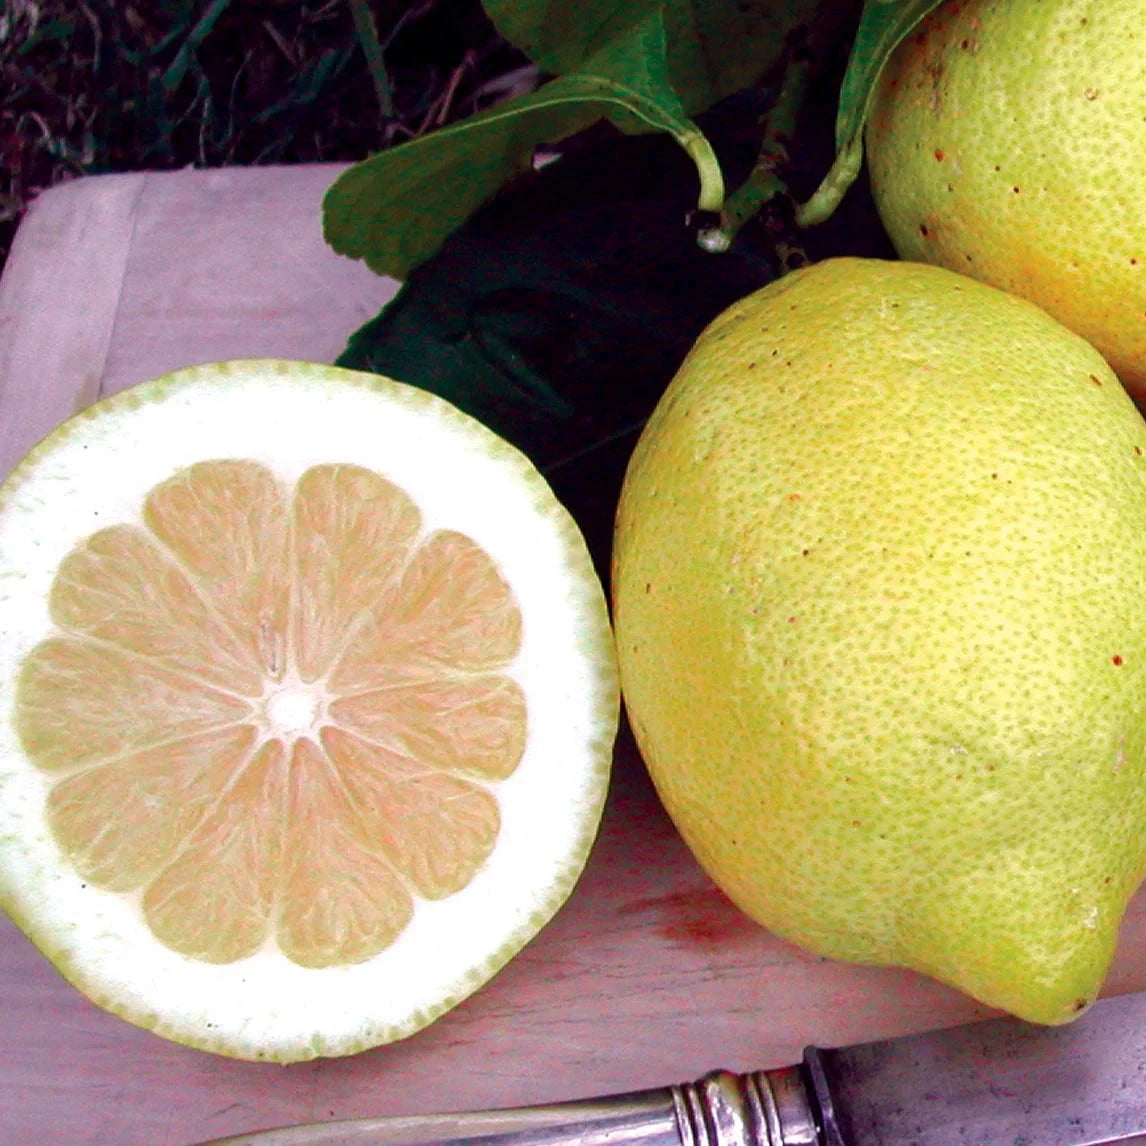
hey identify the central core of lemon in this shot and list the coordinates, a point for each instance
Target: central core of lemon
(293, 709)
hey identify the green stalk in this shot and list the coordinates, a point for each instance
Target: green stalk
(371, 46)
(827, 196)
(765, 181)
(711, 196)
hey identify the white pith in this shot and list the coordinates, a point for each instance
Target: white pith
(95, 472)
(291, 708)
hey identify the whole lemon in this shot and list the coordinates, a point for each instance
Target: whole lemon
(1007, 140)
(879, 573)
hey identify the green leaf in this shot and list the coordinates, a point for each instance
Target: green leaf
(713, 47)
(884, 24)
(718, 47)
(396, 208)
(561, 36)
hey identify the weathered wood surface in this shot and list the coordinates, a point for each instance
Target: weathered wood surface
(646, 976)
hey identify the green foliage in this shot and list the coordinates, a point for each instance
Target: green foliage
(643, 64)
(562, 37)
(395, 209)
(555, 304)
(712, 47)
(883, 26)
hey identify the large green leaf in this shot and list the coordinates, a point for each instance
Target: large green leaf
(395, 209)
(714, 47)
(883, 26)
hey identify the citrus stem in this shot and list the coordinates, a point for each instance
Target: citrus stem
(695, 142)
(842, 174)
(765, 182)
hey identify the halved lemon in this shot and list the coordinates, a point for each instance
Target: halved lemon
(307, 705)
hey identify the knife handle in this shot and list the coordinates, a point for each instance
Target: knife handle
(763, 1108)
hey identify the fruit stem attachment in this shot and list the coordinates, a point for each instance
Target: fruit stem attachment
(695, 142)
(842, 174)
(765, 183)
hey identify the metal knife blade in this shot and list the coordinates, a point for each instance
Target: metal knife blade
(1001, 1082)
(995, 1083)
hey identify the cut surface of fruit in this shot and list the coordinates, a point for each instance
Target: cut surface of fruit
(309, 701)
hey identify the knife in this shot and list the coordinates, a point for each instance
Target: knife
(998, 1082)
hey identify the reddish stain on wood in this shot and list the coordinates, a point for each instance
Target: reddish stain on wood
(698, 917)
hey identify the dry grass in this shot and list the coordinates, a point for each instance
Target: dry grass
(90, 86)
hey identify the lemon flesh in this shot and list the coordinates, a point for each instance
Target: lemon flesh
(307, 699)
(1007, 141)
(878, 588)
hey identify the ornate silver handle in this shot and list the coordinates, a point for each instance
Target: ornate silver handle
(764, 1108)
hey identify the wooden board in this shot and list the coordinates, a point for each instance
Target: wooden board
(647, 976)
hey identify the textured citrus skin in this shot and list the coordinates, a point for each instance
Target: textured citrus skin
(879, 576)
(1008, 141)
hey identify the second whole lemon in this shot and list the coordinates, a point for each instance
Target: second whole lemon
(878, 583)
(1007, 141)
